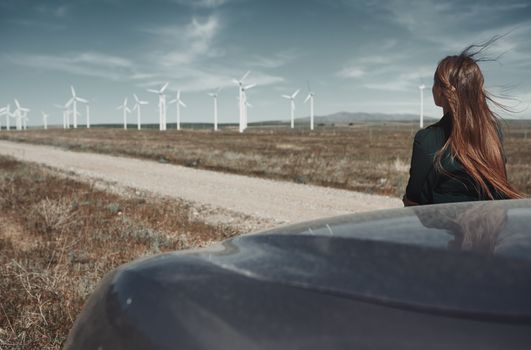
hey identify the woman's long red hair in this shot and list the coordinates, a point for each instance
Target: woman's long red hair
(475, 134)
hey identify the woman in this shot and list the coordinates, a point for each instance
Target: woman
(460, 158)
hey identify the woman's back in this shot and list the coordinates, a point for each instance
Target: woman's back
(430, 186)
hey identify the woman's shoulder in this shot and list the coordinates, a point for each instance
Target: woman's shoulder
(433, 136)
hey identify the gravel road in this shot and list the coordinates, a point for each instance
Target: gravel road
(267, 201)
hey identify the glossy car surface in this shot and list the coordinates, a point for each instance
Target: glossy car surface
(453, 276)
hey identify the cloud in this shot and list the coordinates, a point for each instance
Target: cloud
(58, 11)
(91, 64)
(188, 43)
(201, 3)
(391, 85)
(351, 72)
(273, 61)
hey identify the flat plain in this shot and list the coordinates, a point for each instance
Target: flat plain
(58, 236)
(368, 157)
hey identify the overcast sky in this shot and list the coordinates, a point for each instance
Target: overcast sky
(359, 56)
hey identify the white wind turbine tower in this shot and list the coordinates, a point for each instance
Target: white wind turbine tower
(3, 111)
(87, 114)
(310, 98)
(74, 100)
(25, 121)
(65, 117)
(246, 104)
(137, 105)
(243, 106)
(126, 110)
(8, 114)
(291, 98)
(214, 95)
(18, 114)
(45, 120)
(162, 106)
(421, 88)
(179, 103)
(241, 99)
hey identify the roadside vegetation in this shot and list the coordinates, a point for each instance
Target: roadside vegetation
(58, 237)
(372, 158)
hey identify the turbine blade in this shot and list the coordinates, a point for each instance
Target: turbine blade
(79, 99)
(17, 103)
(295, 93)
(250, 86)
(307, 98)
(245, 75)
(73, 90)
(172, 101)
(286, 96)
(136, 97)
(182, 103)
(153, 91)
(163, 88)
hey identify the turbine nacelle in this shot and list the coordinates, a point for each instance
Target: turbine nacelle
(161, 90)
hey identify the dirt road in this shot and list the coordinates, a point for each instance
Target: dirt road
(275, 202)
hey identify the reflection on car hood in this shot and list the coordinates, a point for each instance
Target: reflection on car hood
(452, 266)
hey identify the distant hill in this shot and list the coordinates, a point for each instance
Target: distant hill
(350, 117)
(344, 118)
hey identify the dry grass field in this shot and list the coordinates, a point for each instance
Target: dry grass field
(371, 158)
(58, 237)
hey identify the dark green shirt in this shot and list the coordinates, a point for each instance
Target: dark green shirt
(428, 186)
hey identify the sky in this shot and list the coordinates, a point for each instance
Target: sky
(356, 55)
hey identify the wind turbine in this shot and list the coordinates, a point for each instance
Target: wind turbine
(179, 103)
(421, 88)
(18, 114)
(126, 110)
(310, 98)
(241, 99)
(45, 120)
(137, 107)
(162, 105)
(74, 100)
(246, 104)
(214, 95)
(64, 108)
(4, 111)
(8, 114)
(291, 98)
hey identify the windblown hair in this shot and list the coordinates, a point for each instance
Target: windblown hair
(475, 137)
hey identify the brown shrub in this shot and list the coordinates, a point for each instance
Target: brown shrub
(50, 216)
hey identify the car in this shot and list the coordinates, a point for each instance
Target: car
(447, 276)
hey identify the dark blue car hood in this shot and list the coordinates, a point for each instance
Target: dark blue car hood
(454, 275)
